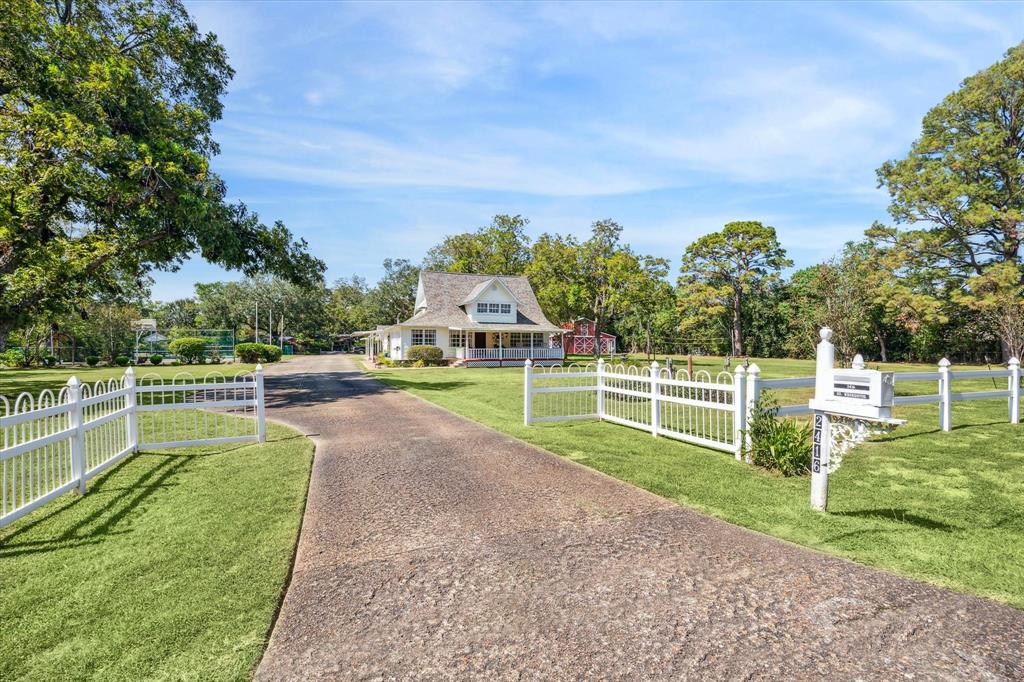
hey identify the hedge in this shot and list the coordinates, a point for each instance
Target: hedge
(257, 352)
(188, 349)
(427, 355)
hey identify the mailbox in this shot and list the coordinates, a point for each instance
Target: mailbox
(865, 393)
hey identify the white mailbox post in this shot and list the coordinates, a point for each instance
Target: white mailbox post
(863, 395)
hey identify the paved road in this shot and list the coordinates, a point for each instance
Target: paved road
(434, 548)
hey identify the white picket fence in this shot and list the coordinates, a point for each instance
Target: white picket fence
(712, 412)
(55, 442)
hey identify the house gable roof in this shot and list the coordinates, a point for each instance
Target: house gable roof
(480, 288)
(446, 292)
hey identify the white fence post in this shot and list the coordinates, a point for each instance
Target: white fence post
(739, 406)
(753, 395)
(527, 392)
(1014, 400)
(825, 360)
(78, 439)
(655, 398)
(261, 410)
(945, 401)
(600, 388)
(130, 401)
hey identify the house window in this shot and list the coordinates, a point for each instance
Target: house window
(481, 307)
(526, 340)
(506, 308)
(424, 337)
(458, 338)
(493, 308)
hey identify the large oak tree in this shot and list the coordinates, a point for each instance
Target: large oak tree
(105, 115)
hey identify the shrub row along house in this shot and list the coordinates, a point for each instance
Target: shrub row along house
(481, 320)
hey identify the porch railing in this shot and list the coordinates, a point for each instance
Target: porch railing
(534, 353)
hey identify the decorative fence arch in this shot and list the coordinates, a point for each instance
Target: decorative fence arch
(55, 442)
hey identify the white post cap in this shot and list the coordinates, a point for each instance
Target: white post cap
(944, 363)
(529, 362)
(753, 369)
(858, 361)
(825, 333)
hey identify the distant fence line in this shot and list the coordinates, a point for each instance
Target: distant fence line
(56, 442)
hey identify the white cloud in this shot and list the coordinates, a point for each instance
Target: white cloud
(775, 124)
(336, 156)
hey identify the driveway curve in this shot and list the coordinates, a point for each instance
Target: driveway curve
(435, 548)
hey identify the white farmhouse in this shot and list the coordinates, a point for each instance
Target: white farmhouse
(482, 320)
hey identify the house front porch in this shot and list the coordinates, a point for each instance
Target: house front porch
(487, 348)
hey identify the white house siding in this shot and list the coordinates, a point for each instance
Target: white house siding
(405, 341)
(495, 293)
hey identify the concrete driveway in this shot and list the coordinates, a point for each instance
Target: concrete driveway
(435, 548)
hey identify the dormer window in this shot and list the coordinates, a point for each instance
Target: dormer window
(494, 308)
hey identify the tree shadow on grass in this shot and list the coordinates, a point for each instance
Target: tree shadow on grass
(899, 516)
(101, 522)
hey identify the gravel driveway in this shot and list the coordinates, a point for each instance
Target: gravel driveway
(435, 548)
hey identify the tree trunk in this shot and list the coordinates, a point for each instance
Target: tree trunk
(881, 341)
(737, 325)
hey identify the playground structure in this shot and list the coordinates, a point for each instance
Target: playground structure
(149, 341)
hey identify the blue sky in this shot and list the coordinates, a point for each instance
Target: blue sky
(375, 129)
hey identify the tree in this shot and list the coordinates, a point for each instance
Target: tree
(997, 296)
(501, 248)
(348, 307)
(182, 313)
(960, 192)
(651, 307)
(720, 269)
(394, 297)
(294, 310)
(105, 119)
(553, 272)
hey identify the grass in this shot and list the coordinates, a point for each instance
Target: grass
(14, 381)
(939, 507)
(171, 567)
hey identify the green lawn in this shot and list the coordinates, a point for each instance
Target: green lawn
(171, 567)
(941, 507)
(14, 381)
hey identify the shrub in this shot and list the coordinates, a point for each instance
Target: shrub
(49, 361)
(156, 359)
(92, 360)
(257, 352)
(779, 445)
(428, 355)
(122, 360)
(188, 349)
(12, 358)
(270, 353)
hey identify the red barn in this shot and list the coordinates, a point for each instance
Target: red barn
(579, 338)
